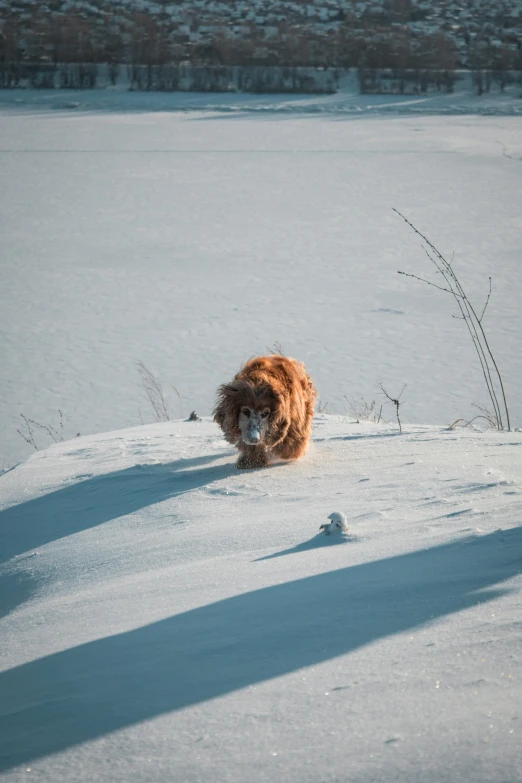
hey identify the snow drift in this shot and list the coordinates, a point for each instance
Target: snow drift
(168, 617)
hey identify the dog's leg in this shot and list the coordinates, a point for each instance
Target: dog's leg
(251, 457)
(296, 441)
(291, 448)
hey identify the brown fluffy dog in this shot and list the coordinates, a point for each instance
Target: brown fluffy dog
(267, 410)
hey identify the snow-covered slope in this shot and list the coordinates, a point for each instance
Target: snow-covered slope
(169, 618)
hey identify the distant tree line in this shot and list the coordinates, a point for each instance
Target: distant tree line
(142, 40)
(170, 77)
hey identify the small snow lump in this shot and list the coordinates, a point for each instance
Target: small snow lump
(338, 524)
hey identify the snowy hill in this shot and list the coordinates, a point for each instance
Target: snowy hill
(170, 618)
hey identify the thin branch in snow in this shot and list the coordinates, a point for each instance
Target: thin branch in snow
(423, 280)
(29, 437)
(394, 401)
(487, 302)
(472, 321)
(46, 427)
(154, 392)
(179, 398)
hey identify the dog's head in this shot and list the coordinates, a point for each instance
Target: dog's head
(251, 412)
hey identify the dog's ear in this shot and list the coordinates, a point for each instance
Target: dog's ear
(226, 412)
(279, 422)
(279, 430)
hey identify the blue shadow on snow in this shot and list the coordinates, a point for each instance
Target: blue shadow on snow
(99, 499)
(90, 690)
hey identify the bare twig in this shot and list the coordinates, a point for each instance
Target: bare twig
(467, 423)
(452, 426)
(179, 398)
(423, 280)
(29, 435)
(487, 302)
(470, 422)
(473, 324)
(28, 438)
(445, 269)
(396, 402)
(46, 427)
(154, 392)
(363, 410)
(277, 348)
(485, 413)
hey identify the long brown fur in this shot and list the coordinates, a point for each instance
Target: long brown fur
(280, 384)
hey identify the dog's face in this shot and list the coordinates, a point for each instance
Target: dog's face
(253, 422)
(252, 412)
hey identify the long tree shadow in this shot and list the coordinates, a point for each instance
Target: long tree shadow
(85, 692)
(16, 587)
(96, 500)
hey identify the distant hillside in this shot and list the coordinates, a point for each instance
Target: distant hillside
(444, 34)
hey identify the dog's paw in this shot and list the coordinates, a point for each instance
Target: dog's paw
(251, 462)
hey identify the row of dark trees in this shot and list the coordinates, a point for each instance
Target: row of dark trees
(249, 78)
(141, 39)
(171, 77)
(147, 39)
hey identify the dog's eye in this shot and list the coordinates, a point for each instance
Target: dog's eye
(245, 411)
(266, 413)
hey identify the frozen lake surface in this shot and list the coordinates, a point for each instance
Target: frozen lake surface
(191, 240)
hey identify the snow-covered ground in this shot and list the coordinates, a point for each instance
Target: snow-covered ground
(170, 618)
(191, 240)
(347, 101)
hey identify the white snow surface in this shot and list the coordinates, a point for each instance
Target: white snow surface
(170, 618)
(193, 231)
